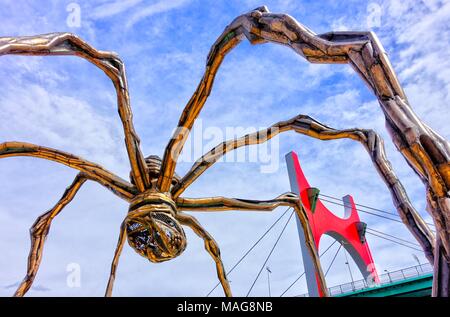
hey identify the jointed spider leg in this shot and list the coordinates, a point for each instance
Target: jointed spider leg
(112, 66)
(115, 262)
(39, 232)
(210, 246)
(217, 53)
(306, 125)
(424, 150)
(258, 26)
(214, 204)
(92, 171)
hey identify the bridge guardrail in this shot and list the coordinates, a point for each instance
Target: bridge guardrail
(386, 278)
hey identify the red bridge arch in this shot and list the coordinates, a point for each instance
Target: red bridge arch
(349, 230)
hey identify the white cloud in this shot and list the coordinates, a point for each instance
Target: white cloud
(111, 9)
(35, 114)
(158, 7)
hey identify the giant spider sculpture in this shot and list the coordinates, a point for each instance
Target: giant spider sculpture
(153, 225)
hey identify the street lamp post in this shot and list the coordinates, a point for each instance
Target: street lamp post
(348, 265)
(268, 279)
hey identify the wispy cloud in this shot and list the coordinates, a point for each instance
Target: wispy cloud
(158, 7)
(111, 9)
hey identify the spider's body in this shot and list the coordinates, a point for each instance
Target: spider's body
(153, 164)
(152, 228)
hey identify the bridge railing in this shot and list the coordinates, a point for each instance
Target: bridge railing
(386, 278)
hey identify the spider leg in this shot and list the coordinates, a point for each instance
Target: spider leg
(210, 246)
(261, 26)
(425, 151)
(115, 262)
(92, 171)
(229, 39)
(109, 63)
(39, 232)
(214, 204)
(372, 142)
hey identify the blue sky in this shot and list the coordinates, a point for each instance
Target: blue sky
(66, 103)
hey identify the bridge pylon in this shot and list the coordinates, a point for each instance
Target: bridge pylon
(349, 230)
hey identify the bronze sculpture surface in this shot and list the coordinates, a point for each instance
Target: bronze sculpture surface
(156, 213)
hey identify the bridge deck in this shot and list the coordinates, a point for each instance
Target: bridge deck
(415, 281)
(412, 287)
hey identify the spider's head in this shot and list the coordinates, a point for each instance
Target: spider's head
(153, 231)
(153, 163)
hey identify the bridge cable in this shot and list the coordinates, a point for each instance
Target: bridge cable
(300, 276)
(361, 205)
(368, 207)
(391, 240)
(332, 261)
(251, 248)
(292, 284)
(270, 253)
(394, 237)
(365, 211)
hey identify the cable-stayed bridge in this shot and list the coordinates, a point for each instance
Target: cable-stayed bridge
(414, 281)
(410, 281)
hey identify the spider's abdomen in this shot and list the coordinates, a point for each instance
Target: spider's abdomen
(152, 228)
(154, 168)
